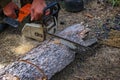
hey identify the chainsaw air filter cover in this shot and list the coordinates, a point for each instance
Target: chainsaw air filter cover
(33, 31)
(74, 5)
(38, 31)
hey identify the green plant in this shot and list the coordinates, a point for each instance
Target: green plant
(114, 2)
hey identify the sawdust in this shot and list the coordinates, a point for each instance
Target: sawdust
(23, 47)
(10, 77)
(13, 46)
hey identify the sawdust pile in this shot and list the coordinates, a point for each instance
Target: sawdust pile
(114, 39)
(12, 46)
(23, 46)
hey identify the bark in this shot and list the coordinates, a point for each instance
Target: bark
(50, 57)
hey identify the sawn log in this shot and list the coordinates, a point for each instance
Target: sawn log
(42, 62)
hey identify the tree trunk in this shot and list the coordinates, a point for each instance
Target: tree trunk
(45, 60)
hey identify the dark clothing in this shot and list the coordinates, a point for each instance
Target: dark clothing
(4, 2)
(23, 2)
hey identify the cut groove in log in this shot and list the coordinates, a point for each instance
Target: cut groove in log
(48, 56)
(37, 67)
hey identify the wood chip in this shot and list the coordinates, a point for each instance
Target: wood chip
(56, 41)
(84, 32)
(10, 77)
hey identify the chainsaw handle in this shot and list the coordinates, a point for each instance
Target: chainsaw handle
(17, 12)
(52, 9)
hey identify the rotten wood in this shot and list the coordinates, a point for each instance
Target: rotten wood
(45, 60)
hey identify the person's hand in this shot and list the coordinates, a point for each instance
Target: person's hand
(37, 9)
(9, 10)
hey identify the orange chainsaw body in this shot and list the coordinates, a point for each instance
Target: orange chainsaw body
(24, 12)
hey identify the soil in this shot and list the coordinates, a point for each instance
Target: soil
(103, 64)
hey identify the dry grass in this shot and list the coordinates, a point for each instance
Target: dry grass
(114, 39)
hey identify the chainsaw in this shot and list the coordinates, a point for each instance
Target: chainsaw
(35, 29)
(44, 28)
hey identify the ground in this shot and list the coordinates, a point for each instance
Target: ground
(103, 64)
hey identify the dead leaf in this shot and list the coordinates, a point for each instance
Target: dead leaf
(89, 15)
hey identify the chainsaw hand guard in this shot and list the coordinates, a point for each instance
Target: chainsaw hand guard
(51, 10)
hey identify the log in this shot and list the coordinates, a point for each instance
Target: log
(45, 60)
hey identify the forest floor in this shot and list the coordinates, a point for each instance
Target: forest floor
(103, 64)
